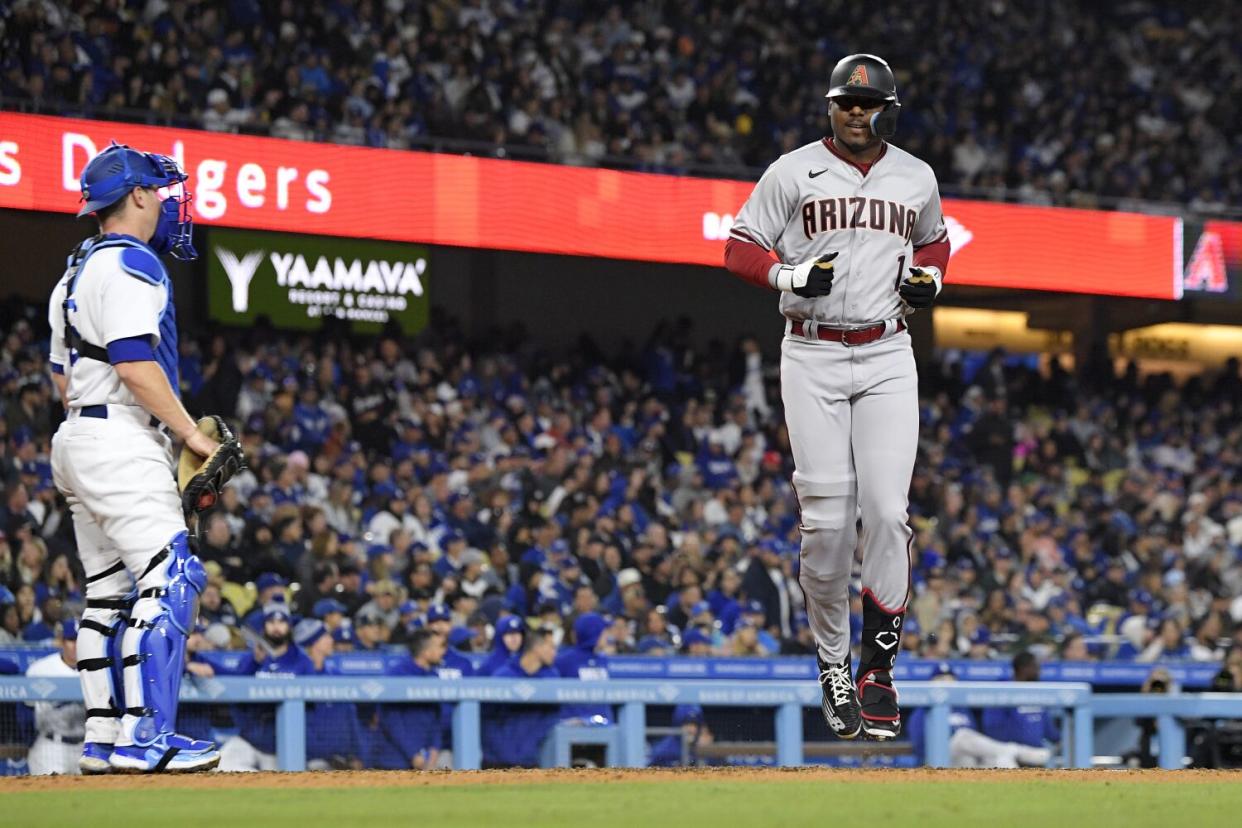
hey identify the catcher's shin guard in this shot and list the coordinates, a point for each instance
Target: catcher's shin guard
(99, 651)
(154, 644)
(881, 641)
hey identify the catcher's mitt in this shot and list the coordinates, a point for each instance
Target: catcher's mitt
(201, 478)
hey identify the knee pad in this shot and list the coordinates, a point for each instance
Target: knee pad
(163, 618)
(829, 535)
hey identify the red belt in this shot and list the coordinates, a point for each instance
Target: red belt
(850, 336)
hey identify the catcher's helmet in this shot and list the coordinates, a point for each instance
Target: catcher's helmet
(113, 173)
(868, 76)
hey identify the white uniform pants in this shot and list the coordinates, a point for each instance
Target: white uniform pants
(237, 754)
(971, 749)
(853, 420)
(48, 756)
(117, 476)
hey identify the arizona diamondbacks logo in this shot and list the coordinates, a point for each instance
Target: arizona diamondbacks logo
(858, 77)
(240, 272)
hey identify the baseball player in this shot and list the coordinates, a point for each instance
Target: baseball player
(856, 226)
(114, 361)
(60, 725)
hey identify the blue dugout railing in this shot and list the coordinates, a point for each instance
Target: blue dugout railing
(786, 699)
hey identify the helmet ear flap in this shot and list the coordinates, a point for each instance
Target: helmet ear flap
(884, 122)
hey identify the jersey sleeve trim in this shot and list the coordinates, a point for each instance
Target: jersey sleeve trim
(131, 349)
(740, 236)
(57, 368)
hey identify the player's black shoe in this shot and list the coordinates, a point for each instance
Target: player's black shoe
(881, 717)
(841, 708)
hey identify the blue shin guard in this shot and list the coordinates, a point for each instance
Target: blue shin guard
(166, 616)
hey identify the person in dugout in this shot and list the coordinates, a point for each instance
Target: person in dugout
(405, 736)
(514, 734)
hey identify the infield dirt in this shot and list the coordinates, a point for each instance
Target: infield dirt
(377, 779)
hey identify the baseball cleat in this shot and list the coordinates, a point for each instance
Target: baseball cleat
(840, 703)
(94, 758)
(881, 717)
(168, 754)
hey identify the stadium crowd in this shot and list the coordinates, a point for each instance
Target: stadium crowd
(399, 485)
(1123, 100)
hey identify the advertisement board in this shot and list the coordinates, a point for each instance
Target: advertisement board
(299, 281)
(272, 184)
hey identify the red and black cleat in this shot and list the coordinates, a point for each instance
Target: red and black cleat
(881, 716)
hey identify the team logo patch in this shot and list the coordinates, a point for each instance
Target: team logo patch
(858, 77)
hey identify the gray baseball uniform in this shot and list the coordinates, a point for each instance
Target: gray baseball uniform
(851, 411)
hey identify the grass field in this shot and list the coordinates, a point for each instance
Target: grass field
(603, 799)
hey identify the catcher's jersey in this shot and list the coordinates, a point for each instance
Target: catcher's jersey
(120, 290)
(812, 201)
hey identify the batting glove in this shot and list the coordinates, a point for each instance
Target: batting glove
(920, 289)
(808, 280)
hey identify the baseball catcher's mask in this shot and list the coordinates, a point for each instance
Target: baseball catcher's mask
(113, 173)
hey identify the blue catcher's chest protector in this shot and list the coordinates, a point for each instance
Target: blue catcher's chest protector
(143, 264)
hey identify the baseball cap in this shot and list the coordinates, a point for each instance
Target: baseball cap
(693, 636)
(944, 668)
(325, 606)
(438, 612)
(754, 607)
(628, 577)
(508, 624)
(308, 632)
(267, 580)
(685, 713)
(700, 608)
(344, 635)
(981, 635)
(6, 596)
(408, 607)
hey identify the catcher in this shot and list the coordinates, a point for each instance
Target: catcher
(114, 361)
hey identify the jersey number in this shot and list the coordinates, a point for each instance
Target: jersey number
(901, 269)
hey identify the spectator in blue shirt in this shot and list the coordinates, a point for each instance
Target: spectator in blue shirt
(694, 734)
(407, 736)
(274, 656)
(584, 660)
(1028, 725)
(506, 645)
(334, 736)
(513, 734)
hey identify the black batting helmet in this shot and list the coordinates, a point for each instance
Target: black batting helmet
(868, 76)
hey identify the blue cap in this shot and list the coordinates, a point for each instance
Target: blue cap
(911, 626)
(693, 636)
(459, 636)
(325, 606)
(438, 612)
(686, 713)
(69, 629)
(451, 536)
(569, 562)
(408, 607)
(509, 624)
(267, 580)
(754, 607)
(700, 608)
(272, 609)
(307, 632)
(944, 668)
(981, 635)
(6, 596)
(344, 635)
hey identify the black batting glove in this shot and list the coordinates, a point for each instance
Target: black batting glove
(918, 290)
